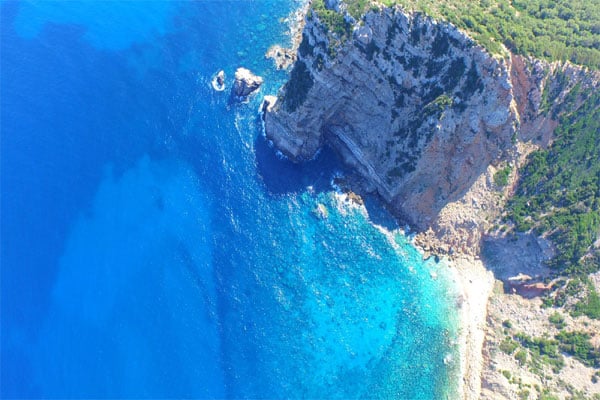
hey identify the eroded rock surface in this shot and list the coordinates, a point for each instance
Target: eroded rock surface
(417, 108)
(245, 83)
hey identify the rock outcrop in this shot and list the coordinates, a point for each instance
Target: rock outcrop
(245, 83)
(284, 58)
(415, 106)
(218, 81)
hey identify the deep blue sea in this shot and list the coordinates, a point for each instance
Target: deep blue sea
(153, 245)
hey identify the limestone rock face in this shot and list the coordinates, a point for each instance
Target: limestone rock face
(416, 107)
(268, 103)
(245, 83)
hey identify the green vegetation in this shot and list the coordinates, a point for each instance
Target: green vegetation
(523, 394)
(566, 289)
(578, 345)
(538, 351)
(333, 20)
(549, 29)
(521, 356)
(578, 287)
(557, 320)
(559, 190)
(443, 101)
(551, 91)
(357, 8)
(508, 345)
(437, 106)
(501, 176)
(589, 305)
(543, 351)
(546, 395)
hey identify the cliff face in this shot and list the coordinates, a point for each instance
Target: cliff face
(414, 106)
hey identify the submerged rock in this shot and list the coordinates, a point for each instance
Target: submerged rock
(321, 211)
(245, 83)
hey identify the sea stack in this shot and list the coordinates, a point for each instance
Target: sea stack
(245, 83)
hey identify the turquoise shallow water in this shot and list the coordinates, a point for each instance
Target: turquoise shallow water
(154, 245)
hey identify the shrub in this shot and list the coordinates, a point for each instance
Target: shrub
(501, 176)
(578, 345)
(589, 306)
(508, 345)
(557, 320)
(521, 356)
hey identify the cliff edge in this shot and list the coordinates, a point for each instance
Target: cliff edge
(421, 112)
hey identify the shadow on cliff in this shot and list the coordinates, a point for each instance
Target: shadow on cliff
(281, 176)
(519, 261)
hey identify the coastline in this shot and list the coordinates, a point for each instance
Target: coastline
(285, 56)
(474, 284)
(468, 227)
(472, 281)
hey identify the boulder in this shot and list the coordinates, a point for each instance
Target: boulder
(284, 58)
(245, 83)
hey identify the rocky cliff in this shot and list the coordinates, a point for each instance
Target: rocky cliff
(416, 107)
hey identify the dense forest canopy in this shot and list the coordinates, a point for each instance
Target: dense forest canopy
(548, 29)
(559, 190)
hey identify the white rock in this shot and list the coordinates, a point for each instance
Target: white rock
(245, 83)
